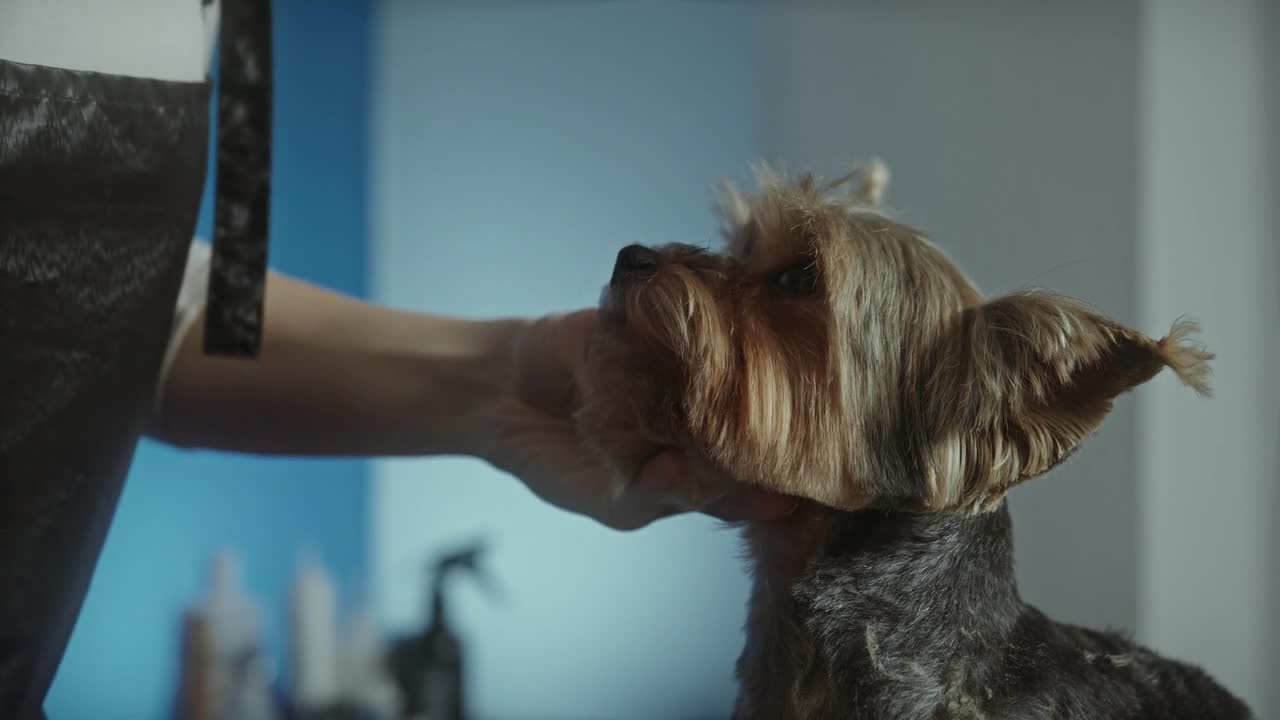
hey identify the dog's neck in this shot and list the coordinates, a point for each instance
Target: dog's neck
(887, 603)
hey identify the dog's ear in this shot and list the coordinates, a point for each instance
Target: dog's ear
(1015, 384)
(873, 183)
(869, 181)
(734, 211)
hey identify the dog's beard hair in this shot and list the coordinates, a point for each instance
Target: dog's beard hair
(640, 383)
(732, 385)
(680, 314)
(781, 401)
(813, 380)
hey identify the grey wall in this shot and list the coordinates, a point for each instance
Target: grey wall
(1271, 42)
(1013, 147)
(1117, 151)
(1208, 468)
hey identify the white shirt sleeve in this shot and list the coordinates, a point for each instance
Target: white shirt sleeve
(102, 36)
(191, 300)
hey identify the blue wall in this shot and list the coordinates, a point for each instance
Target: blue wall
(179, 506)
(517, 147)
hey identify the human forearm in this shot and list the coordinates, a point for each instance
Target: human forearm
(337, 376)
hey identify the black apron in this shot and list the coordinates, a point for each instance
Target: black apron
(100, 185)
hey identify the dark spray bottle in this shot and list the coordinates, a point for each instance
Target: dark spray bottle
(430, 668)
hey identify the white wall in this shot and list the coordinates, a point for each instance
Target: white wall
(518, 146)
(177, 45)
(1208, 245)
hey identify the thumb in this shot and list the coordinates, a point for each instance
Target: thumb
(550, 359)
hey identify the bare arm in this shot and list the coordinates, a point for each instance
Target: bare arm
(338, 376)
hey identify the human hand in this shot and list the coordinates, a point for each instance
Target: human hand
(535, 439)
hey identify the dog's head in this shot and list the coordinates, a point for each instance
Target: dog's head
(832, 353)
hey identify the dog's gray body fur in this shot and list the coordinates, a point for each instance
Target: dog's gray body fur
(906, 616)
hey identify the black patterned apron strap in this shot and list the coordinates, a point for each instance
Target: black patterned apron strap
(237, 279)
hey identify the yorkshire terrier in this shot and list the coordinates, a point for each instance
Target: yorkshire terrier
(835, 355)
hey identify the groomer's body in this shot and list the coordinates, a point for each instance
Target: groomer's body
(103, 132)
(103, 139)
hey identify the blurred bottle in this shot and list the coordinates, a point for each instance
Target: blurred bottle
(314, 625)
(224, 674)
(197, 696)
(368, 689)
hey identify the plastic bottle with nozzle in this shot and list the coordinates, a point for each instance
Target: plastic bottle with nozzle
(430, 667)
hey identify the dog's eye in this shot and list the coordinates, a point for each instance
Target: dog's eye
(799, 280)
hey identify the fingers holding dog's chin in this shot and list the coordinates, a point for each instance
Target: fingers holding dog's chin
(653, 492)
(549, 359)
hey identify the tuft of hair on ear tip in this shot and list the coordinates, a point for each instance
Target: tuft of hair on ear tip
(875, 181)
(766, 174)
(1186, 356)
(731, 205)
(872, 180)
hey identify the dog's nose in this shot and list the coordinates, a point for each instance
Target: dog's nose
(634, 262)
